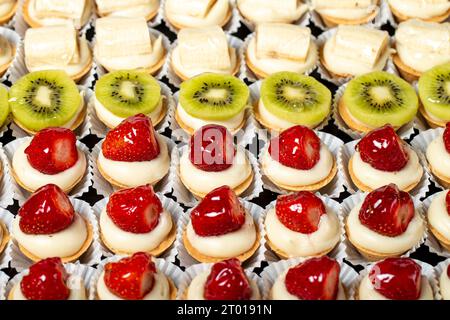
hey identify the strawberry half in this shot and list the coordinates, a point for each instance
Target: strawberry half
(46, 280)
(212, 148)
(52, 150)
(297, 147)
(448, 271)
(220, 212)
(387, 211)
(227, 281)
(383, 150)
(397, 278)
(47, 211)
(447, 202)
(131, 278)
(135, 210)
(300, 211)
(446, 137)
(314, 279)
(134, 139)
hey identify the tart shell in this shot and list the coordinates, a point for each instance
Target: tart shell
(433, 123)
(401, 17)
(5, 237)
(331, 22)
(443, 241)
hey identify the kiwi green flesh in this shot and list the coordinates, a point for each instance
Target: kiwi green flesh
(380, 98)
(4, 105)
(126, 93)
(434, 91)
(296, 98)
(44, 99)
(214, 97)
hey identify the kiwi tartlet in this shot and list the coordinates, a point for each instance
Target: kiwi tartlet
(375, 99)
(4, 105)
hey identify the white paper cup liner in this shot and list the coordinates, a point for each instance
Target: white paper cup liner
(352, 254)
(104, 188)
(438, 270)
(3, 281)
(6, 218)
(185, 197)
(7, 184)
(91, 257)
(167, 268)
(168, 204)
(347, 152)
(15, 40)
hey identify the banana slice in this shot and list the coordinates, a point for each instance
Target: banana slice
(69, 9)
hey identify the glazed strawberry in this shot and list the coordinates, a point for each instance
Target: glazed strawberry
(227, 281)
(47, 211)
(135, 210)
(297, 147)
(383, 150)
(397, 278)
(131, 278)
(220, 212)
(387, 211)
(300, 211)
(314, 279)
(46, 280)
(448, 271)
(447, 202)
(134, 139)
(446, 137)
(52, 150)
(212, 148)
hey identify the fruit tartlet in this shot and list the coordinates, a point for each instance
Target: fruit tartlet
(51, 156)
(212, 98)
(395, 279)
(444, 281)
(428, 10)
(7, 52)
(125, 93)
(134, 220)
(6, 219)
(57, 48)
(288, 98)
(302, 225)
(39, 13)
(220, 227)
(48, 226)
(48, 98)
(4, 109)
(133, 154)
(276, 47)
(197, 13)
(48, 279)
(223, 280)
(209, 43)
(8, 10)
(383, 223)
(147, 9)
(438, 216)
(116, 48)
(382, 157)
(137, 277)
(297, 160)
(212, 160)
(438, 157)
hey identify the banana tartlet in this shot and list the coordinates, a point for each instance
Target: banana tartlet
(350, 12)
(116, 48)
(221, 228)
(7, 53)
(438, 216)
(7, 10)
(147, 9)
(57, 48)
(444, 283)
(284, 11)
(438, 157)
(197, 13)
(428, 10)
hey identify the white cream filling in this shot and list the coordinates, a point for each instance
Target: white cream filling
(258, 12)
(270, 118)
(444, 285)
(6, 7)
(419, 60)
(438, 157)
(138, 11)
(215, 16)
(420, 9)
(438, 217)
(78, 22)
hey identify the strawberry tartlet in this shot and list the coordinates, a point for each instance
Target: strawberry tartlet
(132, 154)
(51, 156)
(438, 217)
(300, 225)
(220, 228)
(48, 226)
(381, 157)
(444, 283)
(438, 157)
(134, 220)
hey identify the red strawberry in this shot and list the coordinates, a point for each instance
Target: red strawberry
(314, 279)
(387, 211)
(47, 211)
(447, 201)
(300, 211)
(448, 271)
(135, 210)
(446, 137)
(131, 278)
(383, 150)
(52, 150)
(297, 147)
(46, 280)
(220, 212)
(397, 278)
(212, 148)
(227, 281)
(134, 139)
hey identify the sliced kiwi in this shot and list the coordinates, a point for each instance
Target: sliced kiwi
(4, 105)
(44, 99)
(434, 91)
(212, 96)
(128, 92)
(296, 98)
(379, 98)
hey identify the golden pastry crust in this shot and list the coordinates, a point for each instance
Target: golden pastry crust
(5, 237)
(443, 241)
(9, 15)
(149, 17)
(4, 68)
(331, 22)
(180, 26)
(408, 73)
(443, 181)
(433, 123)
(401, 17)
(11, 294)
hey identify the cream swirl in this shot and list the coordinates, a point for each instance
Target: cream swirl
(438, 216)
(438, 157)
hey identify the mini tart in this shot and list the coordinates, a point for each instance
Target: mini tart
(8, 16)
(407, 73)
(5, 237)
(402, 17)
(439, 219)
(149, 16)
(4, 67)
(432, 121)
(437, 159)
